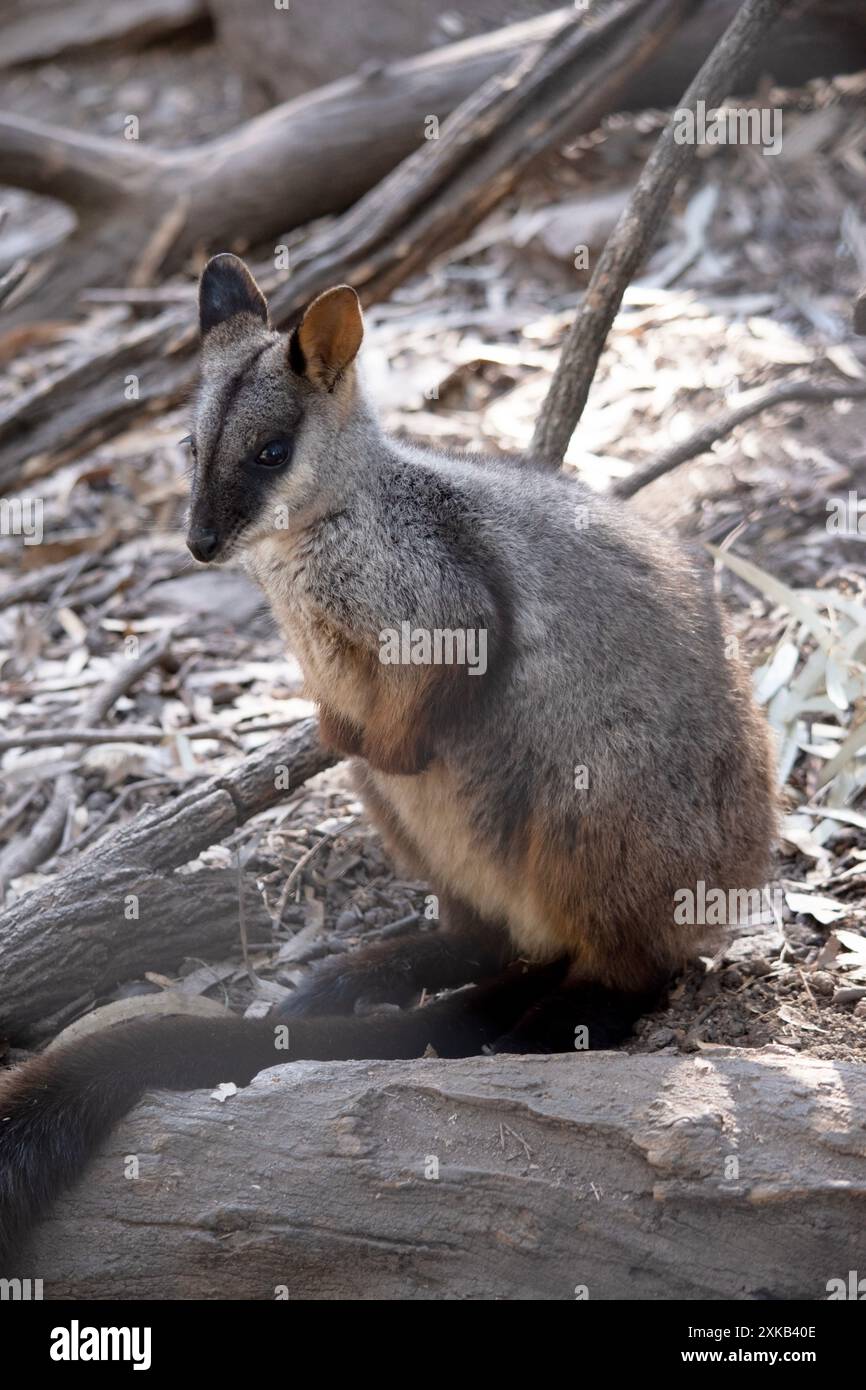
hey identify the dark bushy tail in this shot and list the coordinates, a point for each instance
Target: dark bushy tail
(57, 1108)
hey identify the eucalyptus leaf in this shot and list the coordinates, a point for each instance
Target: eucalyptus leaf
(778, 592)
(779, 671)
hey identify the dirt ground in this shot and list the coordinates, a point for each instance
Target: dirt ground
(749, 283)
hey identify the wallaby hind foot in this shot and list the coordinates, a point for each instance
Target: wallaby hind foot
(580, 1017)
(463, 950)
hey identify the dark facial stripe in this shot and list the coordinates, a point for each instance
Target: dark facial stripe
(229, 393)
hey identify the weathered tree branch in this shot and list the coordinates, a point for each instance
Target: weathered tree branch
(63, 415)
(739, 1176)
(297, 162)
(430, 201)
(81, 912)
(436, 196)
(86, 171)
(628, 243)
(56, 28)
(21, 856)
(707, 435)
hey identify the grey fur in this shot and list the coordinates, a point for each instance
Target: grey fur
(606, 654)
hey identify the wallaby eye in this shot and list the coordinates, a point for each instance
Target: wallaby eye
(188, 439)
(273, 454)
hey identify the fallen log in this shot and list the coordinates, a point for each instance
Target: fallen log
(141, 212)
(123, 908)
(595, 1175)
(440, 193)
(40, 33)
(434, 198)
(282, 54)
(181, 917)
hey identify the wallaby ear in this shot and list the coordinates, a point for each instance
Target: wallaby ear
(328, 336)
(227, 288)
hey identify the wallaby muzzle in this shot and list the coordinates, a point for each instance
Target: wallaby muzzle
(203, 544)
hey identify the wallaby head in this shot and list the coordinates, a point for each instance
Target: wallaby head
(269, 407)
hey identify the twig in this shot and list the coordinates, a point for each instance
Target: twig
(24, 855)
(72, 574)
(520, 1139)
(301, 865)
(707, 435)
(125, 677)
(124, 733)
(101, 589)
(159, 294)
(160, 243)
(392, 928)
(33, 586)
(263, 726)
(13, 277)
(242, 918)
(16, 809)
(810, 996)
(629, 241)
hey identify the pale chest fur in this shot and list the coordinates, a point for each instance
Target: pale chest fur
(436, 815)
(280, 567)
(432, 810)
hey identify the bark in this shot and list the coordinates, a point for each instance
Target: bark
(741, 1176)
(72, 940)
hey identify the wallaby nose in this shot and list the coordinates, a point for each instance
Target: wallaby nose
(203, 544)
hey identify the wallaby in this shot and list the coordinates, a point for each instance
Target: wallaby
(598, 753)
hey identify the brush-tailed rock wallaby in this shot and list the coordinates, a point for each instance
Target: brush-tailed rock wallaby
(545, 722)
